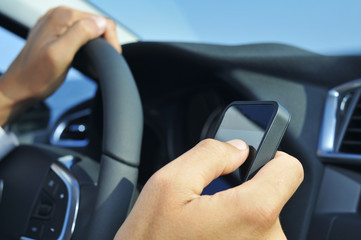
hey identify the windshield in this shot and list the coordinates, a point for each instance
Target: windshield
(331, 27)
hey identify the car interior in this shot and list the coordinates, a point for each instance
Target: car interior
(77, 172)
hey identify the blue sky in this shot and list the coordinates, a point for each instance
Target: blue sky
(325, 26)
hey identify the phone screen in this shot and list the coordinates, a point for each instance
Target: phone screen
(261, 124)
(246, 122)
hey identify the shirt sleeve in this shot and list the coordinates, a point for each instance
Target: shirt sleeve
(8, 141)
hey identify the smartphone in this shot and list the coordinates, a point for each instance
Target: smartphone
(261, 124)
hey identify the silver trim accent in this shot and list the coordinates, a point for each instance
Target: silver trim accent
(326, 144)
(68, 161)
(73, 200)
(55, 137)
(1, 189)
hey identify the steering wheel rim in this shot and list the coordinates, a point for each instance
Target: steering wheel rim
(122, 137)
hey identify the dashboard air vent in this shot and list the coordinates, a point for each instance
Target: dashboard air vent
(351, 142)
(72, 130)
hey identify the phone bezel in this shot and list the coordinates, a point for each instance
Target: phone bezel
(273, 134)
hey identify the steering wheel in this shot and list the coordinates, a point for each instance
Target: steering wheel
(122, 136)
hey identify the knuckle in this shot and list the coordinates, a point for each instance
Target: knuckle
(161, 180)
(86, 28)
(267, 217)
(295, 165)
(62, 13)
(263, 217)
(111, 23)
(211, 144)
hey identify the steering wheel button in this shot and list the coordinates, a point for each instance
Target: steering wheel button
(45, 210)
(51, 232)
(44, 207)
(35, 229)
(51, 185)
(62, 196)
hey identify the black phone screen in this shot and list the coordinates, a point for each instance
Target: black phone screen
(261, 124)
(246, 122)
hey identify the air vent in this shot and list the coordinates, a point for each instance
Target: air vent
(72, 130)
(351, 142)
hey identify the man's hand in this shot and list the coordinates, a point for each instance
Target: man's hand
(171, 207)
(42, 65)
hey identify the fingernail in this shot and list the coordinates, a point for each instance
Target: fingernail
(101, 23)
(241, 145)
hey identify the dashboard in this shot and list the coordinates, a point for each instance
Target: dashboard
(184, 88)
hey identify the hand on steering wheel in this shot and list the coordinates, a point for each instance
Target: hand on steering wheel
(43, 63)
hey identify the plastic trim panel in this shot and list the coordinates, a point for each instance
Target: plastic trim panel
(334, 102)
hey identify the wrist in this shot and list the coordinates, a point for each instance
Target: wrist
(6, 103)
(11, 102)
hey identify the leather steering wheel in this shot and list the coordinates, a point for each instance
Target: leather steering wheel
(122, 136)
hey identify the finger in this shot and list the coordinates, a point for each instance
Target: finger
(58, 20)
(66, 17)
(78, 34)
(273, 185)
(110, 35)
(195, 169)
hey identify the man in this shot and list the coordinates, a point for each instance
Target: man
(170, 205)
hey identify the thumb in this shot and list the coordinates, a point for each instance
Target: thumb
(195, 169)
(80, 33)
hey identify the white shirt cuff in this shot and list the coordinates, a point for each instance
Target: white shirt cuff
(8, 141)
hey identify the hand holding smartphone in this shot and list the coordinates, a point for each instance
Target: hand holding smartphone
(261, 124)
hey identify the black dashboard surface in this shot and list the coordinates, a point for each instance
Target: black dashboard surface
(190, 81)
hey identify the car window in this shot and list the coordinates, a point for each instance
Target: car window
(10, 46)
(321, 26)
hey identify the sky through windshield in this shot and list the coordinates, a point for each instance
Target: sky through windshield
(322, 26)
